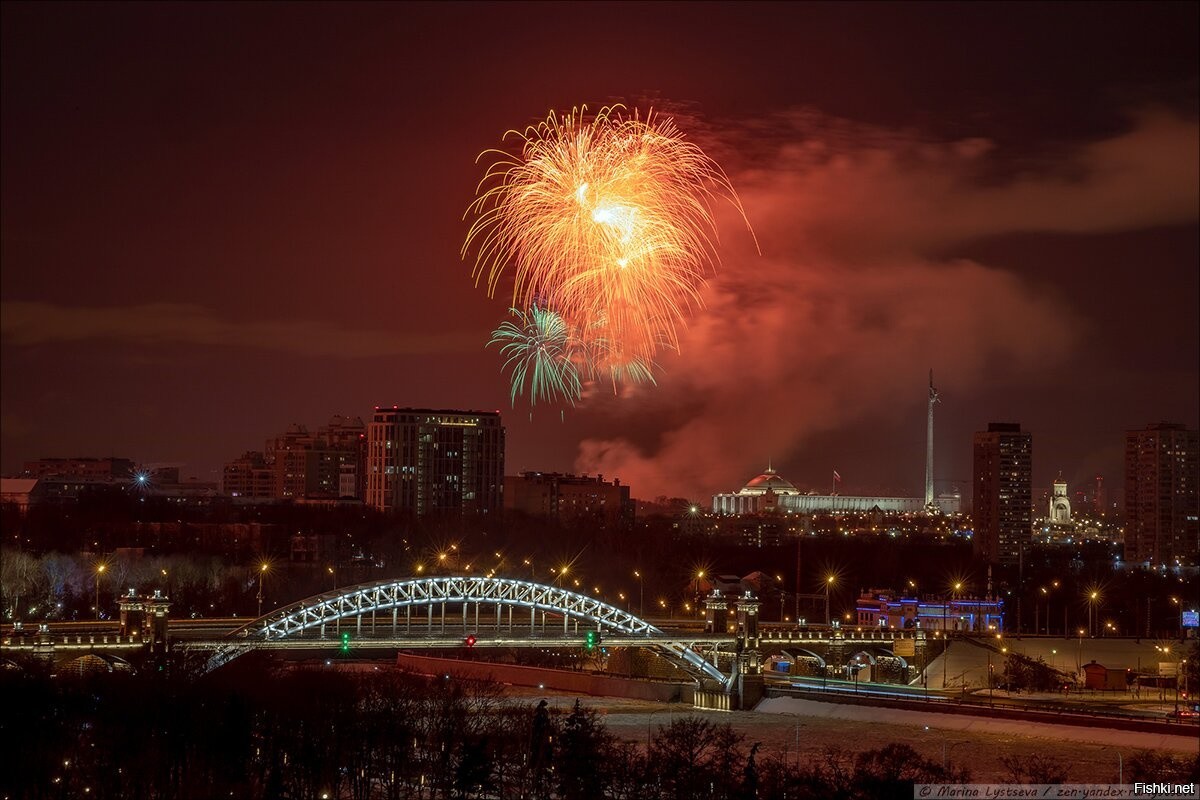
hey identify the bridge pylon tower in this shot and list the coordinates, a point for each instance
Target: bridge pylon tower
(749, 682)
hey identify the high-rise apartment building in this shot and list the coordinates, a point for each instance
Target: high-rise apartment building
(248, 477)
(345, 460)
(1162, 515)
(299, 464)
(427, 461)
(1002, 487)
(292, 456)
(325, 464)
(570, 498)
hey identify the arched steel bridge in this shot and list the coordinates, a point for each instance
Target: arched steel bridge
(305, 623)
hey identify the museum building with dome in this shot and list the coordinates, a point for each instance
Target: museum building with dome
(769, 492)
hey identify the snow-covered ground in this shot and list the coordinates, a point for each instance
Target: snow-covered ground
(984, 725)
(966, 663)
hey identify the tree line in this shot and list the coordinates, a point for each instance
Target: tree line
(260, 731)
(63, 586)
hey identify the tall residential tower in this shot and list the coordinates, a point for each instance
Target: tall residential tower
(427, 461)
(1162, 524)
(1002, 488)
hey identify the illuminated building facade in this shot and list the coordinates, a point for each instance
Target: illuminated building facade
(427, 461)
(769, 493)
(1162, 515)
(1002, 483)
(1059, 511)
(880, 609)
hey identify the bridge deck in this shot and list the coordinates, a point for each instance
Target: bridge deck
(360, 642)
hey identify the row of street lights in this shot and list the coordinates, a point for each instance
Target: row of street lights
(562, 575)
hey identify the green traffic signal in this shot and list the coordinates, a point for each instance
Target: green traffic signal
(592, 640)
(345, 643)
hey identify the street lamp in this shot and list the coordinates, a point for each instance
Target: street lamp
(262, 570)
(955, 589)
(1182, 669)
(650, 719)
(943, 735)
(1092, 598)
(1053, 586)
(1079, 654)
(829, 581)
(641, 594)
(99, 571)
(1179, 668)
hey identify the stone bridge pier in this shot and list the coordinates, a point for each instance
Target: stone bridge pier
(745, 686)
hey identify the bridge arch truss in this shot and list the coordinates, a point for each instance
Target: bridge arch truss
(414, 593)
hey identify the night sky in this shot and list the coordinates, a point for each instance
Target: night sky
(220, 219)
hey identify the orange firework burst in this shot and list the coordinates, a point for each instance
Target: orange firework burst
(607, 221)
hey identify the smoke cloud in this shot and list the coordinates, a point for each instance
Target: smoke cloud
(858, 288)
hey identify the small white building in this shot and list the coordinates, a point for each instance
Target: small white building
(1059, 512)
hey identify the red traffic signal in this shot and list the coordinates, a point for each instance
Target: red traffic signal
(469, 641)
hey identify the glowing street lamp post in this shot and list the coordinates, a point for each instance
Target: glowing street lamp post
(641, 594)
(1079, 654)
(1053, 586)
(943, 735)
(1183, 671)
(782, 599)
(262, 570)
(332, 570)
(99, 571)
(828, 584)
(946, 611)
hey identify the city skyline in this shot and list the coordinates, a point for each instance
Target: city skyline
(209, 236)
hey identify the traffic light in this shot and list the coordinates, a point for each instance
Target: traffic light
(469, 641)
(593, 639)
(345, 642)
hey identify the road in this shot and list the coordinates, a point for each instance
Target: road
(1077, 704)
